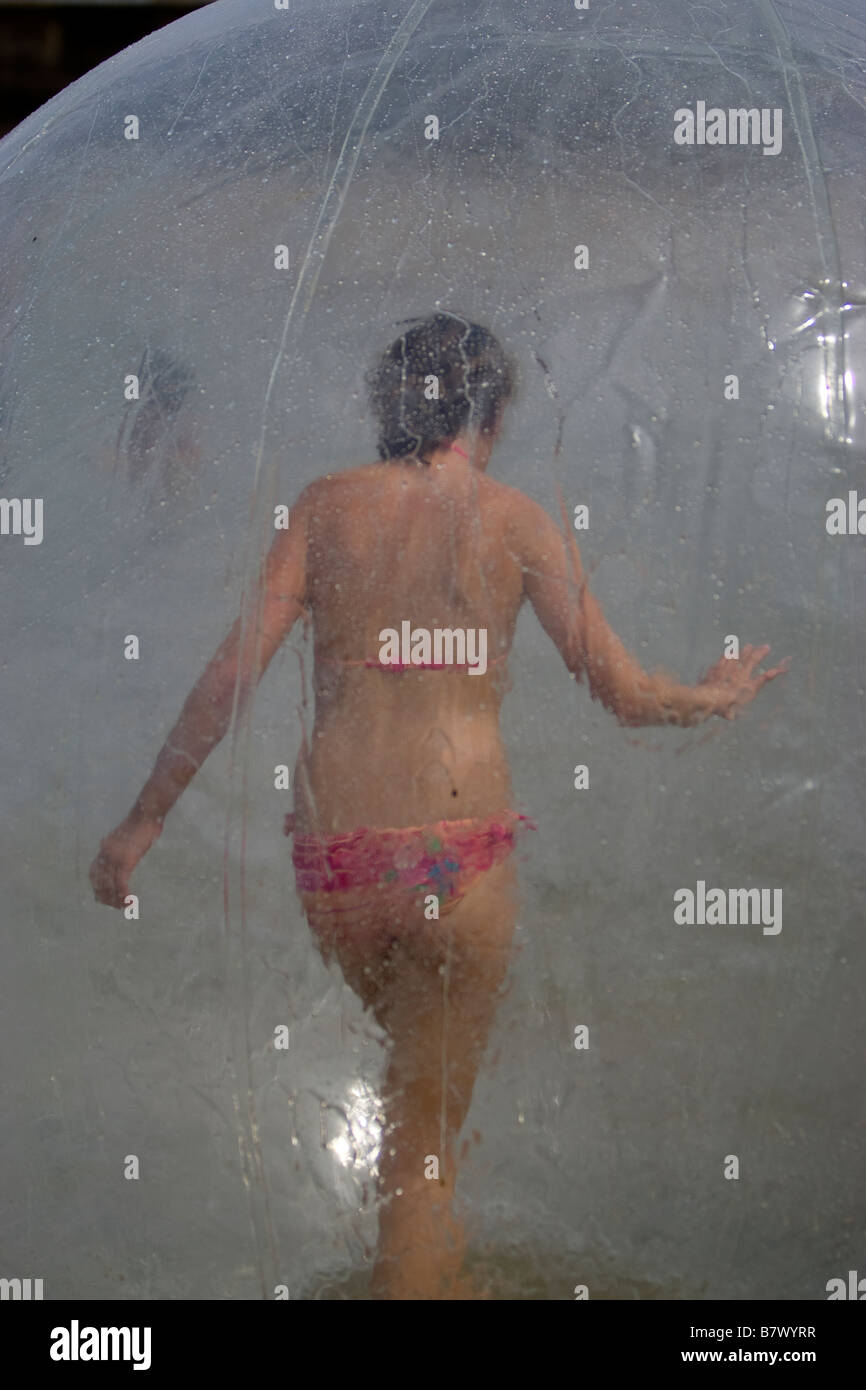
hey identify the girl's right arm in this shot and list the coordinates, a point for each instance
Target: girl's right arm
(227, 682)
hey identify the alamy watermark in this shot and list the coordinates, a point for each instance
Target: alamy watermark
(444, 646)
(729, 907)
(22, 516)
(77, 1343)
(20, 1290)
(735, 126)
(853, 1288)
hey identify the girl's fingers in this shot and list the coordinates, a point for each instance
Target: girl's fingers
(779, 670)
(753, 656)
(110, 882)
(120, 887)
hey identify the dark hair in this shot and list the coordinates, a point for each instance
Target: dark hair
(474, 378)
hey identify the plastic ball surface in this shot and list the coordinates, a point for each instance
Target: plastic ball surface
(658, 210)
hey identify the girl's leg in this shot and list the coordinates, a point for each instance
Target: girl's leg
(443, 984)
(434, 987)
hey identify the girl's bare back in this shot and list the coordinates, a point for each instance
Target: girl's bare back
(389, 544)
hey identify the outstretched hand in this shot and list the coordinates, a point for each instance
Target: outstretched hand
(118, 855)
(738, 681)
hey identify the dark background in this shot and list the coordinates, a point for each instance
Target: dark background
(45, 47)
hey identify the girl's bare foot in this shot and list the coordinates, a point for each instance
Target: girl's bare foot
(469, 1288)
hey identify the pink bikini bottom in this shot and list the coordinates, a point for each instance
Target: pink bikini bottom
(412, 861)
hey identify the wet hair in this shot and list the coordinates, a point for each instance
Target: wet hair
(461, 361)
